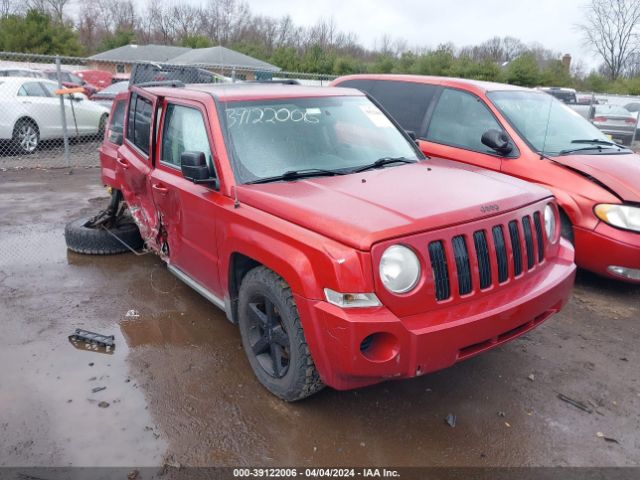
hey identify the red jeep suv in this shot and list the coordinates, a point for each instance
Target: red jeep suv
(344, 255)
(530, 135)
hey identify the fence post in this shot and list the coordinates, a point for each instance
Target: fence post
(67, 156)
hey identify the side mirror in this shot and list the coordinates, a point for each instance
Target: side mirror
(77, 97)
(497, 140)
(194, 167)
(412, 135)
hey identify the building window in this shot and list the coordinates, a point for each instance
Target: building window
(119, 68)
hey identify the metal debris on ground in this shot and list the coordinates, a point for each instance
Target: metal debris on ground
(531, 377)
(450, 420)
(93, 340)
(103, 404)
(97, 389)
(132, 314)
(607, 439)
(575, 403)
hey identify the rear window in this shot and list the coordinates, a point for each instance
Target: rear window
(116, 125)
(139, 127)
(407, 102)
(611, 110)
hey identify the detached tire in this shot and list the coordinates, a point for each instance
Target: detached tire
(272, 337)
(97, 241)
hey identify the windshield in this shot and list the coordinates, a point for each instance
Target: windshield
(269, 138)
(545, 123)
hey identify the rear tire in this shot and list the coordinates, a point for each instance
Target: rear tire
(273, 338)
(26, 136)
(97, 241)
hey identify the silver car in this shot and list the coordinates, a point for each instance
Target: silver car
(31, 112)
(617, 122)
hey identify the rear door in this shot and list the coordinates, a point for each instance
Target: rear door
(113, 138)
(455, 127)
(43, 107)
(188, 211)
(134, 163)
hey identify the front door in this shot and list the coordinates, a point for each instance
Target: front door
(188, 212)
(455, 130)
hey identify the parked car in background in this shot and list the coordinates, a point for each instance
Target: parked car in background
(314, 221)
(616, 121)
(530, 135)
(98, 78)
(565, 95)
(70, 80)
(21, 72)
(31, 113)
(105, 96)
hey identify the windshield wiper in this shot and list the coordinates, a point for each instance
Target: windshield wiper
(381, 162)
(598, 147)
(297, 174)
(595, 141)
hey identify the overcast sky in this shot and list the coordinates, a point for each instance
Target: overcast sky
(429, 22)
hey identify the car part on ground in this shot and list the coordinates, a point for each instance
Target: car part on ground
(81, 237)
(111, 231)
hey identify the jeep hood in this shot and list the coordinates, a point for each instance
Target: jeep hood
(619, 173)
(364, 208)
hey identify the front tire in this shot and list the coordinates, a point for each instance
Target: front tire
(273, 338)
(26, 136)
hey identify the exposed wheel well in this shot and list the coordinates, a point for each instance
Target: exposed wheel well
(566, 226)
(239, 266)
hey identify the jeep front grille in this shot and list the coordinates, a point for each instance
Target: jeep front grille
(490, 260)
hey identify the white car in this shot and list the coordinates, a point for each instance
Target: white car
(30, 112)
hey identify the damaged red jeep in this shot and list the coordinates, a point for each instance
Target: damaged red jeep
(343, 254)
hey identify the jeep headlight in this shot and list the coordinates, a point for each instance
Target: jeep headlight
(621, 216)
(399, 269)
(550, 223)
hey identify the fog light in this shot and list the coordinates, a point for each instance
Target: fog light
(379, 347)
(624, 272)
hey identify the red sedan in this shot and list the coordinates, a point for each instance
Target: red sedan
(530, 135)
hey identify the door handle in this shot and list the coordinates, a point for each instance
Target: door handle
(158, 187)
(123, 163)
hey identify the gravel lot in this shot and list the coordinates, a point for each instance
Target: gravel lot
(180, 391)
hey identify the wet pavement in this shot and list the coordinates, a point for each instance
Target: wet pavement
(180, 391)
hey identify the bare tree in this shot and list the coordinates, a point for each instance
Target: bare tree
(611, 29)
(10, 7)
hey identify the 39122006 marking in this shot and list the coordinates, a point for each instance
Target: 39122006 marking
(265, 472)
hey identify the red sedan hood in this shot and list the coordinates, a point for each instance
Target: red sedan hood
(362, 209)
(620, 173)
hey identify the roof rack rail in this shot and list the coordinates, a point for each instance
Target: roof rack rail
(162, 83)
(284, 81)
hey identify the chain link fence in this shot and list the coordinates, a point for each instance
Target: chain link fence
(54, 110)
